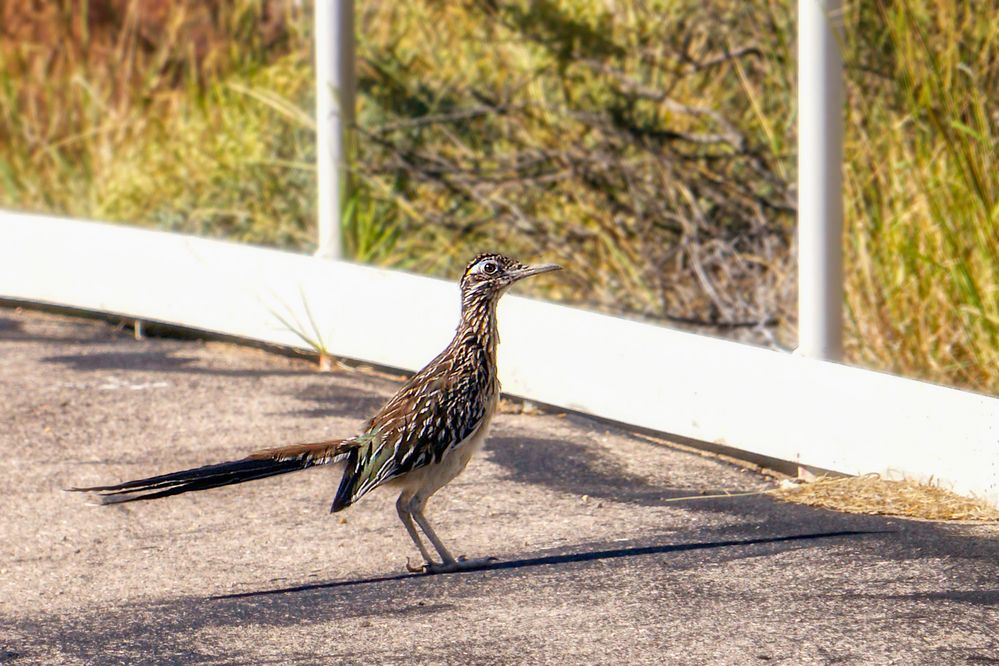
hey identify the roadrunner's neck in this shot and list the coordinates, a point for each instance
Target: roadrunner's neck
(478, 321)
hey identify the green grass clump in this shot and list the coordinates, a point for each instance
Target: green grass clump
(649, 146)
(227, 165)
(149, 123)
(922, 192)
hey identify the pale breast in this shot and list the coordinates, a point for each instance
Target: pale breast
(427, 480)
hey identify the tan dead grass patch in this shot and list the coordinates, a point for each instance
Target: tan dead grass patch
(871, 494)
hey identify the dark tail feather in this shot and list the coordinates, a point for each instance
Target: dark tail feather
(345, 493)
(259, 465)
(200, 478)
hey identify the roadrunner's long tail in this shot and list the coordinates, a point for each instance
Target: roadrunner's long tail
(259, 465)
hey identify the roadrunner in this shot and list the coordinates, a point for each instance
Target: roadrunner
(418, 442)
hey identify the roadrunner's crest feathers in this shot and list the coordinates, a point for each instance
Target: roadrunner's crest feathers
(420, 440)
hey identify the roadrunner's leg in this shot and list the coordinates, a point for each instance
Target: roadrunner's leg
(448, 561)
(417, 506)
(402, 506)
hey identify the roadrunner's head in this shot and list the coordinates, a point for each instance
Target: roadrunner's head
(489, 275)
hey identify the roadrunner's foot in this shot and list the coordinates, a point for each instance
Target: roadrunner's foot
(461, 564)
(417, 569)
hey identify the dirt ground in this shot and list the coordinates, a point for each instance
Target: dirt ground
(594, 565)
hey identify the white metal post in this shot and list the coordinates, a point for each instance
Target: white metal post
(335, 88)
(820, 179)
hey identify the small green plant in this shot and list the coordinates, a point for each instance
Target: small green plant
(311, 336)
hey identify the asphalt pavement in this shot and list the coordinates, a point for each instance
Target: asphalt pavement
(597, 563)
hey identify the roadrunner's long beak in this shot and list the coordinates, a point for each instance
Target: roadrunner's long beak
(528, 271)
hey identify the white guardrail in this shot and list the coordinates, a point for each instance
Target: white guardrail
(755, 400)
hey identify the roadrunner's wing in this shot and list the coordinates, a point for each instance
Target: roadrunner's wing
(433, 412)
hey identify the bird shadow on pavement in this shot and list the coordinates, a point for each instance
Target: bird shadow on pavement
(67, 333)
(578, 468)
(563, 558)
(329, 399)
(159, 361)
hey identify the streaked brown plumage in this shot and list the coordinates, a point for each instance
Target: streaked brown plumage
(419, 441)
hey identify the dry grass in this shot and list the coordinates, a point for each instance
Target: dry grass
(871, 494)
(648, 145)
(609, 139)
(162, 119)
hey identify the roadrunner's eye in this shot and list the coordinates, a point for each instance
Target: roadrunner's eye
(490, 267)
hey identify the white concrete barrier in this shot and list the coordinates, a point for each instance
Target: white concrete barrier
(759, 401)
